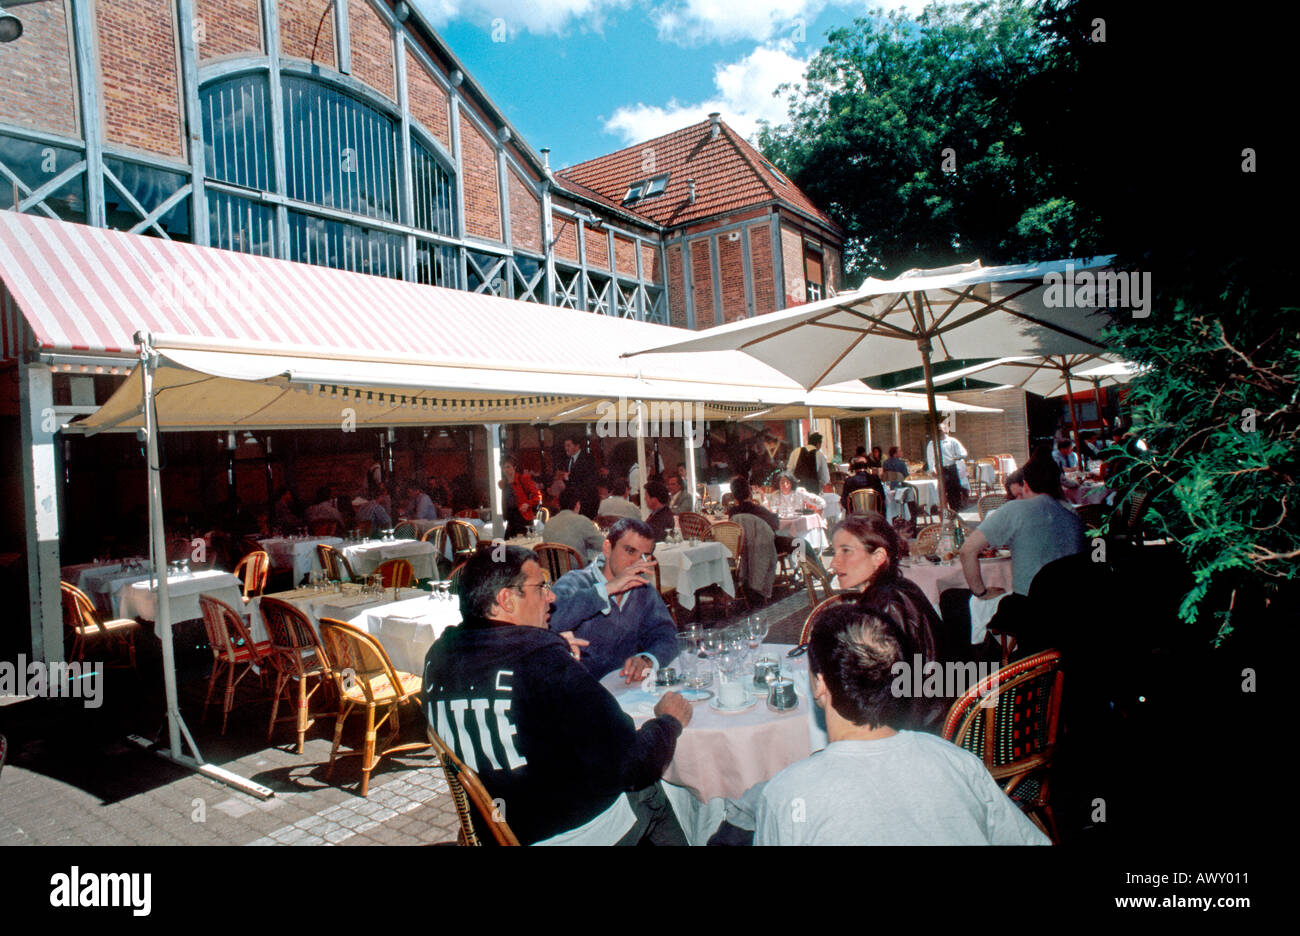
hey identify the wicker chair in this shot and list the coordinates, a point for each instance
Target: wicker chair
(468, 513)
(815, 614)
(464, 539)
(252, 570)
(557, 558)
(542, 514)
(396, 573)
(694, 525)
(468, 793)
(927, 541)
(865, 500)
(298, 656)
(86, 627)
(365, 676)
(336, 565)
(732, 535)
(813, 574)
(605, 521)
(1010, 721)
(234, 653)
(989, 503)
(1091, 515)
(405, 530)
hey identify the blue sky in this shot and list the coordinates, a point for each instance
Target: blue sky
(587, 77)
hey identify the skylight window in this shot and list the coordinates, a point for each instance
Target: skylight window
(647, 188)
(776, 173)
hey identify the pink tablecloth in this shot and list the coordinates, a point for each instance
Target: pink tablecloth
(934, 579)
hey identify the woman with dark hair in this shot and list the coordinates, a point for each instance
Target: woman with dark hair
(867, 552)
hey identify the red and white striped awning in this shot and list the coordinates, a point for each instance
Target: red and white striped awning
(315, 330)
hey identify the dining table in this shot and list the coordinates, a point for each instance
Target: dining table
(366, 557)
(722, 754)
(296, 552)
(405, 642)
(100, 580)
(139, 598)
(691, 565)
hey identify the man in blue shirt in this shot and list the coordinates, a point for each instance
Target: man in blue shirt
(608, 604)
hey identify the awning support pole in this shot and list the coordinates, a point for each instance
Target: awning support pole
(688, 456)
(496, 496)
(640, 457)
(176, 727)
(1069, 396)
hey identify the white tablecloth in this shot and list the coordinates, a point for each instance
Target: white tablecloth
(139, 600)
(934, 579)
(927, 492)
(721, 755)
(833, 510)
(689, 568)
(352, 607)
(366, 557)
(810, 527)
(988, 474)
(298, 554)
(407, 629)
(100, 581)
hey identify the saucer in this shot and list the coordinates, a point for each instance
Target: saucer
(696, 695)
(731, 710)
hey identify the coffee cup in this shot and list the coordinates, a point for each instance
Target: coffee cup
(731, 693)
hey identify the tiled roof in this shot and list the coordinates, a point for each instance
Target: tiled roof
(729, 175)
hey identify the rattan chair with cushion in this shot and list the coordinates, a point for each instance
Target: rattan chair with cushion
(557, 558)
(405, 530)
(865, 500)
(1010, 721)
(297, 657)
(234, 653)
(989, 503)
(464, 539)
(396, 573)
(694, 525)
(252, 570)
(469, 513)
(87, 629)
(605, 521)
(821, 609)
(469, 795)
(335, 564)
(364, 676)
(732, 535)
(542, 514)
(891, 477)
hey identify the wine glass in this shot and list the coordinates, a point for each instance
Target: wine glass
(756, 631)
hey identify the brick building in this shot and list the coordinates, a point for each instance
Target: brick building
(346, 133)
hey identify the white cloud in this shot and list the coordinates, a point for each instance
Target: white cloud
(731, 20)
(744, 95)
(543, 17)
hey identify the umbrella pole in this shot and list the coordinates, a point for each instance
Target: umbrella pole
(924, 345)
(1069, 396)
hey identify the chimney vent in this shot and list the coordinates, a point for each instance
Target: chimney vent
(690, 191)
(715, 121)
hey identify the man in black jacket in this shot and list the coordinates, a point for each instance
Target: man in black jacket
(551, 745)
(580, 474)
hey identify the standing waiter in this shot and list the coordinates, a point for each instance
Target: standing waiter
(580, 474)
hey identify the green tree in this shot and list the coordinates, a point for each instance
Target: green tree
(909, 134)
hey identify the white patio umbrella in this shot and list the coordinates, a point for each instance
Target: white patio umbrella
(1049, 376)
(921, 317)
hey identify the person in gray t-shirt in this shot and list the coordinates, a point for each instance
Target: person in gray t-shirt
(1037, 527)
(875, 785)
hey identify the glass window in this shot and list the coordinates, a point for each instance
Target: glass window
(237, 131)
(150, 187)
(239, 224)
(339, 152)
(345, 246)
(486, 273)
(26, 165)
(437, 264)
(434, 193)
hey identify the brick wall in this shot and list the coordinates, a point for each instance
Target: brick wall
(372, 48)
(731, 267)
(792, 264)
(566, 234)
(761, 270)
(525, 214)
(702, 281)
(299, 22)
(676, 287)
(853, 434)
(227, 27)
(994, 433)
(482, 197)
(650, 263)
(140, 78)
(426, 101)
(625, 255)
(39, 84)
(597, 248)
